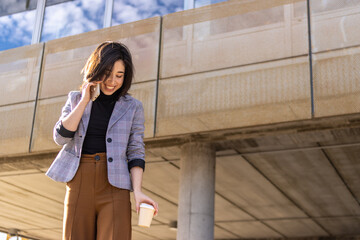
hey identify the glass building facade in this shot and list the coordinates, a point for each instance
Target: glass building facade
(17, 22)
(62, 18)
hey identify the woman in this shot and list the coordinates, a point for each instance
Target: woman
(103, 153)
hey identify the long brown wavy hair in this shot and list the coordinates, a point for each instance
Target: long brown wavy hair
(102, 60)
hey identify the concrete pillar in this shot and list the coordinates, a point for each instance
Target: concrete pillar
(197, 192)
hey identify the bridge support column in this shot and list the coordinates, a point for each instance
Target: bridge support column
(197, 192)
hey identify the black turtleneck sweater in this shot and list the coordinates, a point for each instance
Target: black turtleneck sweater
(101, 111)
(94, 141)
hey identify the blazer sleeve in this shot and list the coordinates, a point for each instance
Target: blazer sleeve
(58, 132)
(136, 147)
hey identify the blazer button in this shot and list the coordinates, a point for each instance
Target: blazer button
(97, 157)
(109, 140)
(110, 159)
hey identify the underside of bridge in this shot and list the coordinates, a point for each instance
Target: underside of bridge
(288, 180)
(269, 90)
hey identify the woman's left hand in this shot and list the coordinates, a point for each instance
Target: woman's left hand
(140, 197)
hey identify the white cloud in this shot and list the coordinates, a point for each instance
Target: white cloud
(17, 28)
(6, 20)
(172, 2)
(25, 20)
(128, 11)
(94, 6)
(125, 13)
(71, 18)
(148, 5)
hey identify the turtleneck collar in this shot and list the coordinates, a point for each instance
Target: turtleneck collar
(112, 97)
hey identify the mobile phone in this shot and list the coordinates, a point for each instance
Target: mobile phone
(94, 91)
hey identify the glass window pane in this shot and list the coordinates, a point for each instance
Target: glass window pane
(258, 67)
(335, 33)
(332, 5)
(19, 74)
(53, 2)
(128, 11)
(9, 7)
(16, 29)
(74, 17)
(250, 21)
(200, 3)
(16, 123)
(205, 45)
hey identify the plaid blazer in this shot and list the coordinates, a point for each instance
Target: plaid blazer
(126, 129)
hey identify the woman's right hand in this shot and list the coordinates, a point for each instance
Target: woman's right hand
(85, 92)
(71, 121)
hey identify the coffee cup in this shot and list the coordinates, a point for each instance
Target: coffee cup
(145, 215)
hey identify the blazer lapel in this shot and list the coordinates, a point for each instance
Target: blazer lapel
(120, 108)
(86, 117)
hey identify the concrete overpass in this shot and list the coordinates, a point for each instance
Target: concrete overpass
(284, 128)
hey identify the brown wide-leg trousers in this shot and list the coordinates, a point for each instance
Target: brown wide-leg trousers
(94, 209)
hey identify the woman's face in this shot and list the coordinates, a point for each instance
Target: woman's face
(112, 81)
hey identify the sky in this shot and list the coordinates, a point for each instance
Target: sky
(15, 29)
(78, 16)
